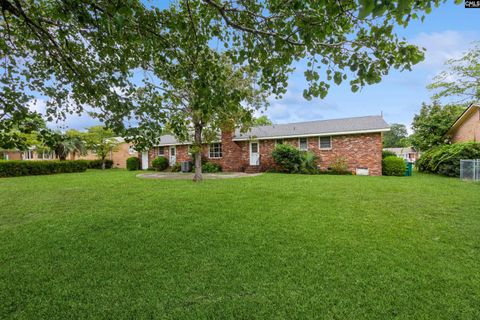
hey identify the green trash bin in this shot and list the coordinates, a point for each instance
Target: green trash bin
(409, 169)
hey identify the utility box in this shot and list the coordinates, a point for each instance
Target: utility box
(361, 171)
(186, 166)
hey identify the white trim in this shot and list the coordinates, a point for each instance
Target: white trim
(313, 135)
(320, 145)
(299, 145)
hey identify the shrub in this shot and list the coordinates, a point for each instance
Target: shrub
(160, 163)
(176, 167)
(15, 168)
(393, 166)
(339, 166)
(133, 163)
(445, 160)
(211, 167)
(308, 163)
(97, 164)
(287, 158)
(388, 153)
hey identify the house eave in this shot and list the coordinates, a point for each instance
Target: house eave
(465, 114)
(338, 133)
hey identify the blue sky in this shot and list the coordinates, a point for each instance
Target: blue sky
(446, 33)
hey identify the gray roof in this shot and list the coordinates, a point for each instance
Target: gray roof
(301, 129)
(316, 128)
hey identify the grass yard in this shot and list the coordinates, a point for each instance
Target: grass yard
(110, 245)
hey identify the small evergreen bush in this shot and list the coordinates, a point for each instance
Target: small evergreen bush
(176, 167)
(160, 163)
(287, 158)
(133, 163)
(393, 166)
(211, 167)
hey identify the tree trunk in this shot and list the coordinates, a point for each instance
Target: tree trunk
(198, 153)
(103, 163)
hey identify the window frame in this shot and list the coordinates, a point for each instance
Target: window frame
(162, 154)
(217, 154)
(320, 143)
(300, 144)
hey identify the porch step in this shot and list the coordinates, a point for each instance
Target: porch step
(252, 169)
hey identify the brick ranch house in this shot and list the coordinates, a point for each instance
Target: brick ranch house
(357, 140)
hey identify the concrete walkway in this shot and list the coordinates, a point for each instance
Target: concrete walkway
(189, 176)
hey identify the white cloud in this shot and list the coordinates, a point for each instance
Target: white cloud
(72, 121)
(442, 46)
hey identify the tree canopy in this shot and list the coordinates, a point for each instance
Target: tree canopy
(461, 80)
(430, 126)
(262, 121)
(132, 66)
(396, 137)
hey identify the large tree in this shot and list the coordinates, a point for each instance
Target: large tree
(121, 58)
(430, 126)
(461, 80)
(396, 137)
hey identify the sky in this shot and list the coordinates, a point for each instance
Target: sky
(445, 33)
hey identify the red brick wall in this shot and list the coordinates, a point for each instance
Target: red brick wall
(361, 150)
(469, 130)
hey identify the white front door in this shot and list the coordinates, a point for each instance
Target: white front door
(144, 160)
(173, 155)
(254, 153)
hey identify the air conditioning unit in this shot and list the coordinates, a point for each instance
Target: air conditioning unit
(186, 166)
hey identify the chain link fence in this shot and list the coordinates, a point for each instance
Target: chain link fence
(470, 170)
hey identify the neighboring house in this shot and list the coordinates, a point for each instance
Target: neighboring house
(357, 140)
(467, 126)
(408, 153)
(119, 157)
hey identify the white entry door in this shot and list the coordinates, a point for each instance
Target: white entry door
(254, 153)
(144, 160)
(173, 156)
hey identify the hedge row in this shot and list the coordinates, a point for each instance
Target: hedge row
(16, 168)
(445, 160)
(97, 164)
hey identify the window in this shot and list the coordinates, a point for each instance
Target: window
(28, 155)
(278, 141)
(161, 151)
(215, 150)
(325, 143)
(302, 144)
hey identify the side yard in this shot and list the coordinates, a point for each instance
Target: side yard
(105, 244)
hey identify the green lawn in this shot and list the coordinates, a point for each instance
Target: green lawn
(110, 245)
